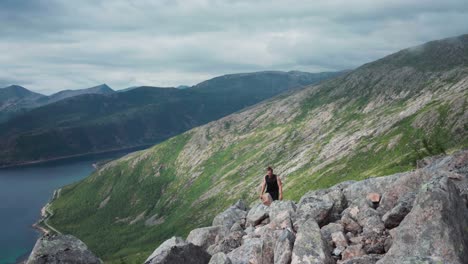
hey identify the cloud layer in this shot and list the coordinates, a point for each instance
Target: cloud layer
(53, 45)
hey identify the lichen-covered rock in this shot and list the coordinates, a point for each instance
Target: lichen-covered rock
(367, 259)
(329, 229)
(207, 236)
(315, 207)
(352, 251)
(282, 214)
(284, 247)
(339, 239)
(55, 249)
(227, 243)
(310, 247)
(229, 217)
(332, 195)
(435, 229)
(257, 214)
(393, 217)
(220, 258)
(177, 251)
(240, 204)
(251, 251)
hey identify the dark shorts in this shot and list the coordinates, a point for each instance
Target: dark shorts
(274, 195)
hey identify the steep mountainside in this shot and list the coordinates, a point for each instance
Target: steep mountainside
(141, 116)
(14, 99)
(376, 120)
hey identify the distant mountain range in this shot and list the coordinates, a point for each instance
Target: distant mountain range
(16, 99)
(379, 119)
(98, 119)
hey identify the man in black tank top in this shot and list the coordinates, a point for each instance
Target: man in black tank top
(273, 185)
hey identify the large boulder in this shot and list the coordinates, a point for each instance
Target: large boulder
(310, 247)
(250, 252)
(227, 243)
(220, 258)
(404, 205)
(257, 214)
(357, 192)
(207, 236)
(282, 214)
(436, 229)
(229, 217)
(314, 207)
(61, 249)
(284, 247)
(329, 229)
(178, 251)
(323, 205)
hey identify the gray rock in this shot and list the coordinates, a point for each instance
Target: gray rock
(323, 205)
(373, 243)
(251, 251)
(358, 191)
(220, 258)
(257, 214)
(177, 251)
(284, 246)
(367, 259)
(369, 219)
(349, 220)
(236, 227)
(207, 236)
(282, 214)
(226, 244)
(56, 249)
(436, 228)
(339, 239)
(310, 247)
(240, 204)
(229, 217)
(314, 207)
(269, 237)
(327, 230)
(404, 205)
(353, 251)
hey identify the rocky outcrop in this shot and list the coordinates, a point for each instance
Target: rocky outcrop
(418, 216)
(402, 218)
(55, 249)
(178, 251)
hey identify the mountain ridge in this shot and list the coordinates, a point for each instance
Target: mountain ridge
(141, 116)
(373, 121)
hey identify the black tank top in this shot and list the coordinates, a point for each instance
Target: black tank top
(272, 184)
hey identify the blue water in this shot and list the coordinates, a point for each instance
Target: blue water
(23, 192)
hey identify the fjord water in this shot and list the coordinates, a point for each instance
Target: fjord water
(23, 192)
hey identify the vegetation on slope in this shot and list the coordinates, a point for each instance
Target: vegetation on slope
(138, 117)
(376, 120)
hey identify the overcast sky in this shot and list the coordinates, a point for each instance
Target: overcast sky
(48, 46)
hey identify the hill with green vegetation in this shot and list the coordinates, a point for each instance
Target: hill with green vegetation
(98, 119)
(376, 120)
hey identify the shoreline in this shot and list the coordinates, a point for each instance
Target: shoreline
(62, 158)
(41, 225)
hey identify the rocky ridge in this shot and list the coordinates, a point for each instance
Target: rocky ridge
(373, 121)
(417, 216)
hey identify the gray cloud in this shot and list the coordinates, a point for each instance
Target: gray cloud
(53, 45)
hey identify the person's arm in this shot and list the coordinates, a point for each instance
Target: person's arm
(280, 186)
(263, 188)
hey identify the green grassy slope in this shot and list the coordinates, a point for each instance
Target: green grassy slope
(378, 119)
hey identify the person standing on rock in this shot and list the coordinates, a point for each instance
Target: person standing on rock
(274, 187)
